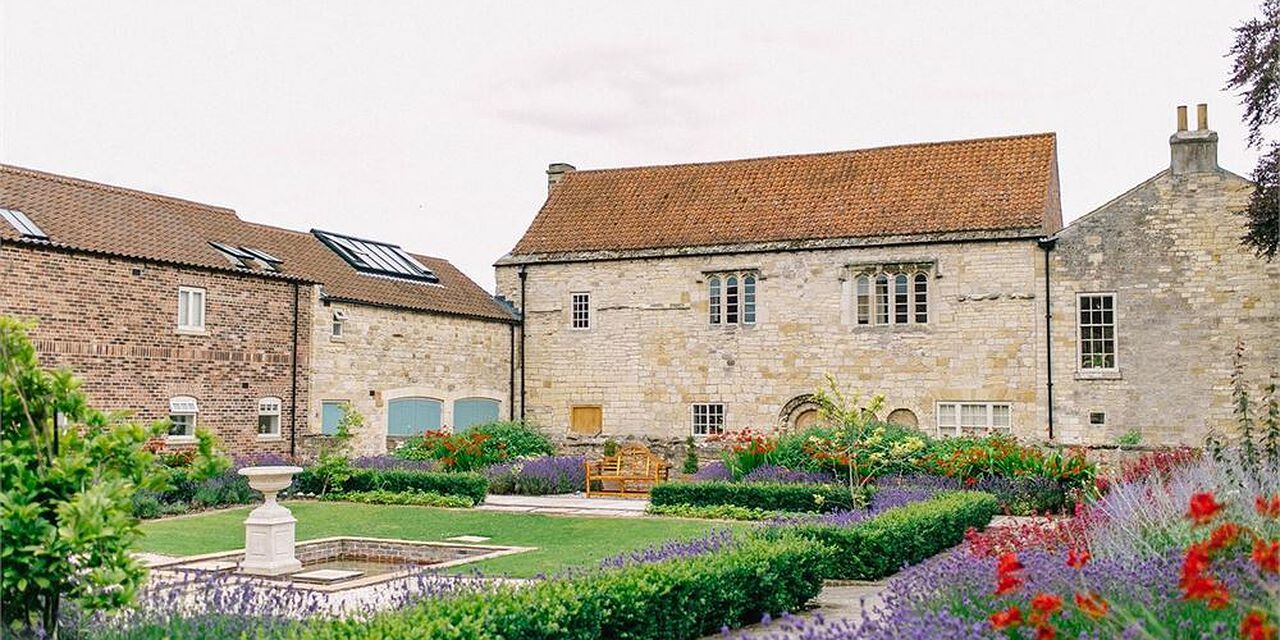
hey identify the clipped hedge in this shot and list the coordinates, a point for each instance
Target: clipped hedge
(767, 496)
(681, 599)
(469, 485)
(412, 498)
(901, 536)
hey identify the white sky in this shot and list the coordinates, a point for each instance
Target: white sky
(431, 124)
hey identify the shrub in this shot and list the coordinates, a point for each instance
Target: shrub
(411, 497)
(712, 512)
(674, 600)
(747, 450)
(901, 536)
(518, 439)
(690, 456)
(713, 471)
(470, 485)
(758, 495)
(1000, 455)
(538, 476)
(773, 473)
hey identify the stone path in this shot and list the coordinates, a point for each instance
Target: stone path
(838, 600)
(575, 504)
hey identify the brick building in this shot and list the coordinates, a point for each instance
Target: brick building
(172, 309)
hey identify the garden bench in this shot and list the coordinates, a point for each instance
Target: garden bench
(629, 473)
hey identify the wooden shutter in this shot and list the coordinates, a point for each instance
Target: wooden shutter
(586, 420)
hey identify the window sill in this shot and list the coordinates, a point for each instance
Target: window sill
(337, 339)
(191, 332)
(180, 439)
(263, 437)
(1099, 374)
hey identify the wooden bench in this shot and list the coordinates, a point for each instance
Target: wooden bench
(629, 473)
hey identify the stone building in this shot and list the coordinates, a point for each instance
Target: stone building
(170, 308)
(660, 302)
(1150, 293)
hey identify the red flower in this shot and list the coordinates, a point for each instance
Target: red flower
(1224, 535)
(1267, 555)
(1007, 577)
(1208, 589)
(1091, 604)
(1077, 559)
(1010, 617)
(1046, 632)
(1047, 603)
(1268, 508)
(1254, 626)
(1203, 507)
(1008, 563)
(1194, 564)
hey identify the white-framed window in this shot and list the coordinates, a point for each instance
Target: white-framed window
(182, 417)
(339, 322)
(731, 298)
(580, 310)
(1097, 331)
(708, 419)
(1097, 418)
(190, 309)
(269, 418)
(892, 294)
(973, 418)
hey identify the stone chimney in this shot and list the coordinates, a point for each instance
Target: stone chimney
(1193, 151)
(556, 171)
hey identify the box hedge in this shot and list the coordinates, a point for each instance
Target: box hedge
(769, 496)
(469, 485)
(680, 599)
(900, 536)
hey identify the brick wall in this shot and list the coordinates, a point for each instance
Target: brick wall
(113, 322)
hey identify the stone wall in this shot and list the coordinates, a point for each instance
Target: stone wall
(1185, 290)
(650, 352)
(387, 353)
(113, 322)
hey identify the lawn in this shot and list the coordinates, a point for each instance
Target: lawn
(561, 541)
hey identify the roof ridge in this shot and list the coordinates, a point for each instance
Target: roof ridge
(110, 188)
(818, 154)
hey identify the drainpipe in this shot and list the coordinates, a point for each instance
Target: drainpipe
(523, 273)
(1047, 245)
(293, 392)
(511, 375)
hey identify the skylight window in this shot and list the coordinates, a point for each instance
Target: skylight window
(23, 224)
(245, 257)
(378, 258)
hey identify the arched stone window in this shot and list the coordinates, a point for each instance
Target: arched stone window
(748, 299)
(799, 413)
(921, 295)
(862, 289)
(882, 299)
(901, 305)
(731, 298)
(713, 298)
(891, 294)
(903, 418)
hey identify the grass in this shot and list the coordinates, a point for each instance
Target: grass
(561, 541)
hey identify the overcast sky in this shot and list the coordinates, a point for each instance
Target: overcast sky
(431, 124)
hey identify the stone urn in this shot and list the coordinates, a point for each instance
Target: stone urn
(269, 530)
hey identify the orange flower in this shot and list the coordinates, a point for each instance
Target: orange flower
(1254, 626)
(1194, 564)
(1010, 617)
(1047, 603)
(1203, 507)
(1091, 604)
(1223, 536)
(1008, 563)
(1267, 555)
(1008, 579)
(1268, 508)
(1077, 559)
(1214, 593)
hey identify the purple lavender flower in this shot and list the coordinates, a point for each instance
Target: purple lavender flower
(713, 541)
(774, 473)
(538, 476)
(713, 471)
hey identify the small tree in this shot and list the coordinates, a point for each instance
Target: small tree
(69, 475)
(333, 464)
(690, 456)
(1256, 74)
(857, 444)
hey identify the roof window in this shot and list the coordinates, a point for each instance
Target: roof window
(246, 257)
(23, 224)
(376, 258)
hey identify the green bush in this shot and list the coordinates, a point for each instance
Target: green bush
(518, 439)
(900, 536)
(767, 496)
(679, 599)
(712, 512)
(468, 485)
(411, 497)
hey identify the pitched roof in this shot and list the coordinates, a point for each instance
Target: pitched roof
(991, 184)
(88, 216)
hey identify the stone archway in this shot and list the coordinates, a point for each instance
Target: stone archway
(904, 418)
(799, 413)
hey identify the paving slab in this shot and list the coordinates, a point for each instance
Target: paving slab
(838, 600)
(568, 504)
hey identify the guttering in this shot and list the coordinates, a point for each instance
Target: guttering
(1047, 244)
(293, 391)
(511, 375)
(522, 271)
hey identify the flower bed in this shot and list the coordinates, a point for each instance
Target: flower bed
(755, 495)
(472, 486)
(538, 476)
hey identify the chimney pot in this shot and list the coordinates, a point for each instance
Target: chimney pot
(556, 171)
(1182, 118)
(1202, 117)
(1193, 151)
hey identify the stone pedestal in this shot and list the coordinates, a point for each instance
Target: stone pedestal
(269, 533)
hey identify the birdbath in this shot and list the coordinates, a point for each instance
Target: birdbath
(269, 530)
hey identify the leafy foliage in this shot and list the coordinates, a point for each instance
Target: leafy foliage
(333, 464)
(1255, 72)
(690, 466)
(472, 486)
(479, 447)
(66, 505)
(712, 512)
(758, 495)
(410, 497)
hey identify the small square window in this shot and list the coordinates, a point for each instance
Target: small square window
(586, 420)
(182, 417)
(339, 320)
(1097, 418)
(190, 309)
(708, 419)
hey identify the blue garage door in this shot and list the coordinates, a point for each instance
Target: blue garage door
(469, 412)
(411, 416)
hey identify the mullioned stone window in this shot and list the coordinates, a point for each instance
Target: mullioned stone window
(892, 294)
(1097, 331)
(731, 298)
